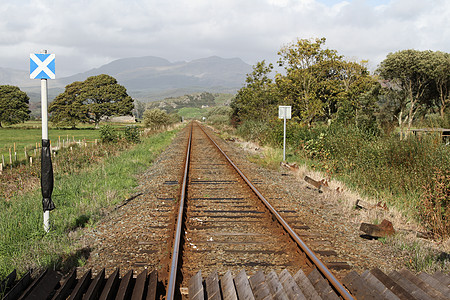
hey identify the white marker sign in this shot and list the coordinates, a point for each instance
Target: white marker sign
(284, 112)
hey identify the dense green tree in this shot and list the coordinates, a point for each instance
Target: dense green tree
(67, 109)
(306, 64)
(257, 100)
(13, 105)
(102, 96)
(91, 100)
(317, 82)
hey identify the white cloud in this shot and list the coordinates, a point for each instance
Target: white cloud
(85, 34)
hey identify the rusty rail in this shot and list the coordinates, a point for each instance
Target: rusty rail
(177, 238)
(309, 253)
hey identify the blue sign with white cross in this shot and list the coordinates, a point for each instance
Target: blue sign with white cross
(42, 66)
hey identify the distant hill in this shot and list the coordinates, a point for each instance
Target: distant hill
(150, 78)
(198, 100)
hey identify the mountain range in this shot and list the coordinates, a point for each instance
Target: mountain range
(149, 78)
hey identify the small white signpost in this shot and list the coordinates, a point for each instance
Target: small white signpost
(42, 66)
(284, 112)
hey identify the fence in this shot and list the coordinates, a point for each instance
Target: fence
(29, 156)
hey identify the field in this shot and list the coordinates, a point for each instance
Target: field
(193, 112)
(29, 134)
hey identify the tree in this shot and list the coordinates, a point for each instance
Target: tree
(358, 92)
(91, 100)
(409, 70)
(102, 96)
(67, 108)
(257, 99)
(440, 73)
(156, 118)
(310, 72)
(13, 105)
(316, 83)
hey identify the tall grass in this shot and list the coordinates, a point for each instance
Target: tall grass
(80, 198)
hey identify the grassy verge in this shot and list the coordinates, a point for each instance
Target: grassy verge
(422, 257)
(80, 198)
(412, 176)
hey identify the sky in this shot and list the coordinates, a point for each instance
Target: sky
(85, 34)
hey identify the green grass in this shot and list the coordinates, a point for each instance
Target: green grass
(29, 134)
(80, 198)
(419, 257)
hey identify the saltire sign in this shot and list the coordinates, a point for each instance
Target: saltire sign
(42, 66)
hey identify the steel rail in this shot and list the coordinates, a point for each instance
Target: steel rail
(311, 255)
(176, 244)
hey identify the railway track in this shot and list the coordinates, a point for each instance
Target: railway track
(224, 222)
(224, 227)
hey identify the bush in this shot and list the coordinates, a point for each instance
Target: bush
(257, 131)
(131, 134)
(108, 134)
(156, 119)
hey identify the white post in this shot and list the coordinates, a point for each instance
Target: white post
(46, 220)
(44, 113)
(284, 139)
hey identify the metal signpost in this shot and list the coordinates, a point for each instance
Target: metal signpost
(42, 66)
(284, 112)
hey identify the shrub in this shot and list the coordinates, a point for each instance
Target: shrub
(156, 118)
(108, 134)
(131, 134)
(257, 131)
